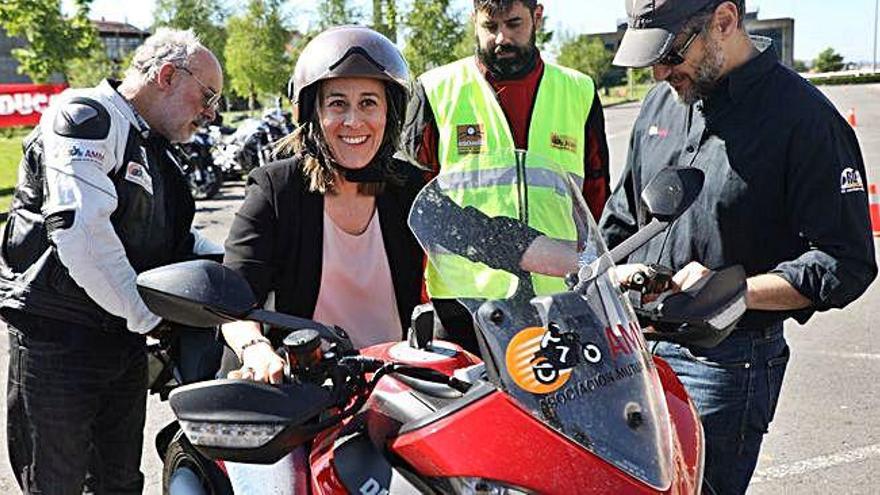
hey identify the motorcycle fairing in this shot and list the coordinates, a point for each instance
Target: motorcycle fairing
(363, 469)
(576, 361)
(605, 394)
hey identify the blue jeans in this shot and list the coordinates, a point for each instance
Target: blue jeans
(735, 387)
(76, 406)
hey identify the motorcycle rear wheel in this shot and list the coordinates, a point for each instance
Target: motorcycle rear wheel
(209, 185)
(181, 456)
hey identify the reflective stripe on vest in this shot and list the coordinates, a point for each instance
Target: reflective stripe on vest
(475, 146)
(538, 177)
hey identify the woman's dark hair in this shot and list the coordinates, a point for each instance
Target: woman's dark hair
(317, 161)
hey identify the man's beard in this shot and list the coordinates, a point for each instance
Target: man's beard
(708, 73)
(505, 68)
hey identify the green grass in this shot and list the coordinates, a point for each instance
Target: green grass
(10, 155)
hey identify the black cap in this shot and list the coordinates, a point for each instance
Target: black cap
(652, 26)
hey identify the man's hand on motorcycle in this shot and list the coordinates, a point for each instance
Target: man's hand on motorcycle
(688, 276)
(260, 363)
(633, 277)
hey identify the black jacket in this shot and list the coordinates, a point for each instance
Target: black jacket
(784, 192)
(276, 239)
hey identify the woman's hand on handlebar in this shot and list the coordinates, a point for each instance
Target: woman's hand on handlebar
(260, 363)
(259, 360)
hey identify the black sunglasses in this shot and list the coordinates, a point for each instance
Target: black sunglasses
(676, 55)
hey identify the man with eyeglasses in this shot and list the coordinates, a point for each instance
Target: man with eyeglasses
(100, 198)
(784, 197)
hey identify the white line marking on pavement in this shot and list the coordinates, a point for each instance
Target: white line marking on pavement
(816, 464)
(845, 355)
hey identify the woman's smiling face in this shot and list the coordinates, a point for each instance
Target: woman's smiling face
(352, 112)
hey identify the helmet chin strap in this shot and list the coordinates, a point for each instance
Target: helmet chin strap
(371, 173)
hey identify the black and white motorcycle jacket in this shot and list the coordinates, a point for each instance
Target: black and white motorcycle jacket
(99, 199)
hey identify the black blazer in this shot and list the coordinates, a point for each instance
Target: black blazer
(276, 238)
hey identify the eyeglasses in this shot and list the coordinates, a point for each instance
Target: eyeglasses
(209, 100)
(676, 55)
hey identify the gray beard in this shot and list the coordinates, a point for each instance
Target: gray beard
(706, 79)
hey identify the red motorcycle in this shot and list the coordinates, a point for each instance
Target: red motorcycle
(565, 398)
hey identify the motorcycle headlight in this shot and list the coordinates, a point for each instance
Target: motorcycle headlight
(482, 486)
(229, 435)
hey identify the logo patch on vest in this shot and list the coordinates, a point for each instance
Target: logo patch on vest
(851, 181)
(137, 174)
(563, 142)
(470, 139)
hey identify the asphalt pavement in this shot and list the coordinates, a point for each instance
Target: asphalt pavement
(826, 434)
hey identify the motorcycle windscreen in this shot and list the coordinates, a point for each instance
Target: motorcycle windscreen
(575, 361)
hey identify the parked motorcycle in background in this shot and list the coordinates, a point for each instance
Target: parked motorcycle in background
(203, 176)
(250, 145)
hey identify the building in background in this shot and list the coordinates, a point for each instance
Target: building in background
(780, 30)
(119, 40)
(8, 63)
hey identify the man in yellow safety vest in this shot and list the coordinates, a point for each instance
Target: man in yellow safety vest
(466, 119)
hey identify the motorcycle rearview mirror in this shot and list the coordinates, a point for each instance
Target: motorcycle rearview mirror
(199, 293)
(671, 192)
(247, 421)
(204, 293)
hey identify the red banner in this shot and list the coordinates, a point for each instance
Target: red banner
(22, 104)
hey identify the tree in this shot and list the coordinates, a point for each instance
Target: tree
(88, 71)
(336, 13)
(52, 40)
(587, 54)
(434, 32)
(205, 17)
(828, 61)
(467, 44)
(543, 37)
(385, 18)
(256, 58)
(800, 66)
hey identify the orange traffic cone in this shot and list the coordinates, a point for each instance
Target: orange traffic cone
(851, 117)
(874, 207)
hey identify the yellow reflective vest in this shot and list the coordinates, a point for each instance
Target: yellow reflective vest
(476, 148)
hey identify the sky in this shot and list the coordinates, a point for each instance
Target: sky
(846, 25)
